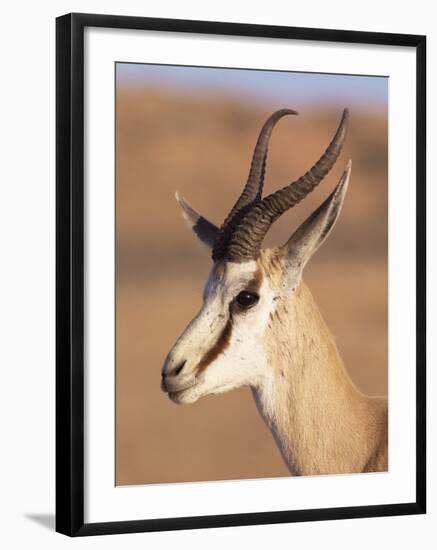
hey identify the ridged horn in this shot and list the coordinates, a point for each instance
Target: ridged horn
(249, 229)
(253, 189)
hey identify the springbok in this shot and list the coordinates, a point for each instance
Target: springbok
(259, 326)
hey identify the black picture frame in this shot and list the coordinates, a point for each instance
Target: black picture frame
(70, 273)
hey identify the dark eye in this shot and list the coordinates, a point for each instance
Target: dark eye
(247, 299)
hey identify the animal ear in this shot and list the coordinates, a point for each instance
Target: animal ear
(206, 231)
(314, 230)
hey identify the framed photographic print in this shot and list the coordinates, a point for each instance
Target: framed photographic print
(240, 274)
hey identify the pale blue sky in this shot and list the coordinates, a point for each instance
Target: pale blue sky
(261, 86)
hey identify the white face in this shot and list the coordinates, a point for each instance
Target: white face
(222, 347)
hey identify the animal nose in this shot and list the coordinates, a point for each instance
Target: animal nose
(174, 370)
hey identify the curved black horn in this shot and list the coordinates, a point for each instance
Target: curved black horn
(253, 189)
(249, 229)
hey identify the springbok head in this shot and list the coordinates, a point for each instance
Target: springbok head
(224, 346)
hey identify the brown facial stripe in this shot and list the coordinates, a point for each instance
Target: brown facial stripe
(221, 344)
(225, 337)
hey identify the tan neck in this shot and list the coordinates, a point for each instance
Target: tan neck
(319, 419)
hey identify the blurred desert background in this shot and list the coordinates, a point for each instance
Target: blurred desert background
(195, 132)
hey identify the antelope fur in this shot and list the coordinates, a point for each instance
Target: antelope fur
(280, 347)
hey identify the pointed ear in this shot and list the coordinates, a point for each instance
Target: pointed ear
(314, 230)
(206, 231)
